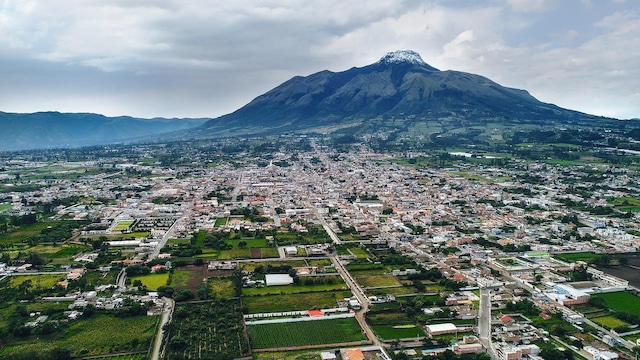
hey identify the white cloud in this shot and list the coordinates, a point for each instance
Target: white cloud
(206, 58)
(533, 5)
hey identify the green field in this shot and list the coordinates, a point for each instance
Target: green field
(152, 281)
(101, 334)
(180, 279)
(315, 332)
(4, 207)
(626, 204)
(294, 302)
(610, 322)
(123, 225)
(377, 280)
(387, 332)
(293, 289)
(23, 233)
(250, 266)
(359, 252)
(220, 222)
(580, 256)
(621, 301)
(43, 281)
(221, 287)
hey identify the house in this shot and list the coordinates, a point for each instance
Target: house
(467, 348)
(75, 274)
(439, 329)
(352, 354)
(157, 267)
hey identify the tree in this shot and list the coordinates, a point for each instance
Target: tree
(242, 244)
(133, 270)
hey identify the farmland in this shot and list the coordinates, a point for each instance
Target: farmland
(25, 232)
(293, 302)
(315, 332)
(209, 330)
(621, 301)
(41, 281)
(93, 336)
(294, 289)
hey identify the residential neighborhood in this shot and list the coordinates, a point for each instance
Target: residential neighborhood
(472, 258)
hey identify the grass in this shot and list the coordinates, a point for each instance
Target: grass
(294, 302)
(610, 322)
(319, 262)
(123, 225)
(24, 232)
(293, 289)
(359, 252)
(626, 204)
(4, 207)
(180, 279)
(98, 335)
(316, 332)
(387, 332)
(46, 281)
(377, 280)
(152, 281)
(580, 256)
(178, 241)
(250, 266)
(220, 222)
(621, 301)
(221, 287)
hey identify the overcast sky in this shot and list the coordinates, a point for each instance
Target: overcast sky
(197, 58)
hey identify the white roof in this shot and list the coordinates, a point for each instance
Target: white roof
(326, 355)
(278, 279)
(441, 327)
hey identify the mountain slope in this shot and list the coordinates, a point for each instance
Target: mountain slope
(53, 129)
(399, 86)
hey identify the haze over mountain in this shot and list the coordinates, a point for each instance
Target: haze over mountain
(400, 93)
(400, 86)
(52, 129)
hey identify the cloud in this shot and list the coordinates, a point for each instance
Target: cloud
(532, 5)
(207, 58)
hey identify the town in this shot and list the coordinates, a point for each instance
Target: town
(302, 247)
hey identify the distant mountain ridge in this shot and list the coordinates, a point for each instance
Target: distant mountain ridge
(399, 86)
(63, 130)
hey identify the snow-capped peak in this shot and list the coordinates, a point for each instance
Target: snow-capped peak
(402, 56)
